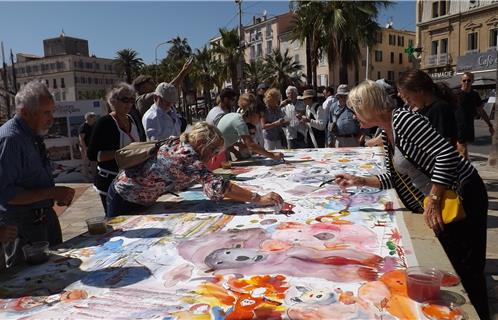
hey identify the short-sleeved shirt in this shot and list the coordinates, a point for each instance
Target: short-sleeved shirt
(468, 102)
(214, 115)
(176, 167)
(24, 165)
(271, 115)
(160, 124)
(87, 130)
(442, 118)
(232, 127)
(344, 118)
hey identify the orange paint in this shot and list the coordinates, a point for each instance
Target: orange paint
(216, 291)
(275, 245)
(347, 297)
(435, 311)
(399, 304)
(289, 225)
(342, 222)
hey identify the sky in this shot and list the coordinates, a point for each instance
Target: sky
(111, 26)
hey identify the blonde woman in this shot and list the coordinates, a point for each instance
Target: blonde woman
(421, 162)
(273, 120)
(112, 132)
(180, 162)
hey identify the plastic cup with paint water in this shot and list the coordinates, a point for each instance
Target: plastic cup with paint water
(96, 225)
(424, 283)
(36, 252)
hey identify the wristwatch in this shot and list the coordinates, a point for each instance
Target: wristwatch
(434, 197)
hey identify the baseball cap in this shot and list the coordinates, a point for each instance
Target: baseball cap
(262, 86)
(342, 90)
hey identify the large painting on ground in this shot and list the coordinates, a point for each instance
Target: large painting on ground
(338, 254)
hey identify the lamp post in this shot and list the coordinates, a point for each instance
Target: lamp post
(155, 56)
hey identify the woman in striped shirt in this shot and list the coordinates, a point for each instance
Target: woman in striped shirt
(420, 162)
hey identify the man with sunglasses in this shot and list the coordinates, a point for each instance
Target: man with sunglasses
(469, 105)
(27, 188)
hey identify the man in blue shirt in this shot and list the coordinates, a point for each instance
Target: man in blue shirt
(344, 129)
(27, 189)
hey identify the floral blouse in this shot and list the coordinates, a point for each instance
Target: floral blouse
(176, 167)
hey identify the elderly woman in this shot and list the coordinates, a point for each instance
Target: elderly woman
(112, 132)
(180, 162)
(273, 120)
(420, 162)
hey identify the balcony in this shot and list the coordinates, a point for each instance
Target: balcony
(437, 60)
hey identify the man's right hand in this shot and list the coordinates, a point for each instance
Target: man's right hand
(63, 196)
(8, 233)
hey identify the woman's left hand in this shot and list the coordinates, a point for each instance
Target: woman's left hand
(271, 198)
(433, 216)
(277, 156)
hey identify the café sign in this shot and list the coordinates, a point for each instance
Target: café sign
(477, 62)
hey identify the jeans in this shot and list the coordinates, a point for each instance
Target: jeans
(116, 205)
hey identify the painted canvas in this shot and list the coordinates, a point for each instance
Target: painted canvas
(336, 255)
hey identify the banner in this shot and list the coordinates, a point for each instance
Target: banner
(62, 142)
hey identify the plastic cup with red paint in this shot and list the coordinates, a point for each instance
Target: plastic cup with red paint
(424, 283)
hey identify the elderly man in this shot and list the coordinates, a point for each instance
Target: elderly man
(161, 121)
(315, 119)
(294, 110)
(27, 189)
(469, 105)
(344, 129)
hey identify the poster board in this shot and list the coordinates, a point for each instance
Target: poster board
(62, 141)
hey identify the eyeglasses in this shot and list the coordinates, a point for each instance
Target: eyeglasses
(126, 100)
(467, 80)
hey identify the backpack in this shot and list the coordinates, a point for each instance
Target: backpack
(137, 153)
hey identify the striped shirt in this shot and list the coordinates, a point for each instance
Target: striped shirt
(433, 155)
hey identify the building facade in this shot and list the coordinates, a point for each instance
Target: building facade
(458, 36)
(67, 69)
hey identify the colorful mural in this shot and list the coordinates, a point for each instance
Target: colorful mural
(337, 254)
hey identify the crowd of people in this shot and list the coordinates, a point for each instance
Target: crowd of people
(424, 128)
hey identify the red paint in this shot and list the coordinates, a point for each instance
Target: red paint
(423, 287)
(450, 280)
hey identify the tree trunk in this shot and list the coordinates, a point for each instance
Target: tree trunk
(343, 75)
(309, 72)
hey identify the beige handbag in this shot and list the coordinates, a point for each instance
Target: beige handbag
(137, 153)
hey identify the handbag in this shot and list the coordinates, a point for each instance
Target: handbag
(137, 153)
(451, 203)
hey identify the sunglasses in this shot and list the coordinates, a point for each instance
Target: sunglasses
(467, 80)
(126, 100)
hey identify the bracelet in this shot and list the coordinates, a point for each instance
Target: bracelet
(255, 197)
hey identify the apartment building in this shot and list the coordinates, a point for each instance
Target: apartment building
(458, 36)
(67, 69)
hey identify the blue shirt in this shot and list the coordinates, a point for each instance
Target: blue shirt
(344, 118)
(159, 124)
(23, 165)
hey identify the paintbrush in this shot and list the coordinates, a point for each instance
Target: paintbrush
(326, 182)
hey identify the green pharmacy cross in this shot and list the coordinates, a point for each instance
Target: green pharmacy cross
(411, 50)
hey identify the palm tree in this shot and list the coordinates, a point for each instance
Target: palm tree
(180, 49)
(284, 70)
(348, 26)
(229, 49)
(203, 73)
(308, 28)
(127, 63)
(255, 73)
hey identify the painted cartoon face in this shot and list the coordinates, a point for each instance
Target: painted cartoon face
(233, 258)
(309, 296)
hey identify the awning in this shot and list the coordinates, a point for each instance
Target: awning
(481, 79)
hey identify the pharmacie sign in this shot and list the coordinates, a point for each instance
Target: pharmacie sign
(441, 75)
(477, 62)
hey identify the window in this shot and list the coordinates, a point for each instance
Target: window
(410, 42)
(54, 82)
(472, 42)
(253, 52)
(435, 9)
(443, 8)
(401, 41)
(378, 37)
(392, 39)
(268, 46)
(89, 65)
(443, 46)
(378, 55)
(392, 57)
(259, 50)
(97, 66)
(96, 81)
(89, 80)
(46, 83)
(76, 79)
(63, 95)
(323, 80)
(493, 38)
(400, 58)
(434, 46)
(390, 75)
(63, 85)
(379, 76)
(83, 80)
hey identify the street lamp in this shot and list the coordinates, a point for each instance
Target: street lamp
(155, 67)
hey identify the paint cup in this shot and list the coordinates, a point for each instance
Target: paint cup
(36, 252)
(96, 225)
(424, 283)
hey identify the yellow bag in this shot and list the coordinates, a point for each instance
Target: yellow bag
(451, 206)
